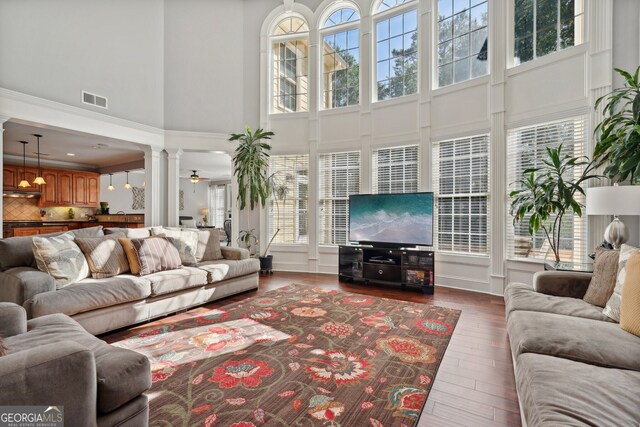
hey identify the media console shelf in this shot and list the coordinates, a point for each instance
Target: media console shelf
(411, 268)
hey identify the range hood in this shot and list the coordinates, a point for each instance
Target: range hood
(20, 194)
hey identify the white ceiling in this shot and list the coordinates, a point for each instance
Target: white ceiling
(97, 152)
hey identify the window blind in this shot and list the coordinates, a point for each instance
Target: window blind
(218, 193)
(526, 147)
(461, 183)
(395, 170)
(288, 205)
(339, 177)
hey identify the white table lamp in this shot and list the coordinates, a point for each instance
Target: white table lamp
(614, 200)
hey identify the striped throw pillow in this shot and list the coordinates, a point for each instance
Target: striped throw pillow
(186, 241)
(156, 254)
(105, 255)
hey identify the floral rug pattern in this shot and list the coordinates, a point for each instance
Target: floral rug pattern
(297, 356)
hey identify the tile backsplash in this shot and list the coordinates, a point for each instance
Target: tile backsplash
(21, 209)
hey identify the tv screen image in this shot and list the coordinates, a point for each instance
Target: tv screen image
(404, 219)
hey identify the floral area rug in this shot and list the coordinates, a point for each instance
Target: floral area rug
(298, 356)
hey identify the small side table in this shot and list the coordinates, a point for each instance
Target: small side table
(586, 267)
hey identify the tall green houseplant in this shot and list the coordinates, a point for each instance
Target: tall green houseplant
(618, 135)
(251, 167)
(547, 193)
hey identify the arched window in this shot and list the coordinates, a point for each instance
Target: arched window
(396, 35)
(341, 59)
(290, 53)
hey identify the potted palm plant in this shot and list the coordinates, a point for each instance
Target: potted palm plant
(547, 193)
(618, 135)
(251, 169)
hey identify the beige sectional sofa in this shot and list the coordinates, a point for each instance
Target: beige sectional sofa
(102, 305)
(573, 365)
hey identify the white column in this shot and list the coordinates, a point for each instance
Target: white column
(173, 186)
(3, 119)
(152, 186)
(600, 70)
(497, 152)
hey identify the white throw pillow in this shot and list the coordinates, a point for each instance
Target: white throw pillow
(612, 309)
(186, 241)
(188, 223)
(61, 258)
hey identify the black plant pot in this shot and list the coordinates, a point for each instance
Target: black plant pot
(266, 264)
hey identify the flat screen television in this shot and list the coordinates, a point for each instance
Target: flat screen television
(403, 219)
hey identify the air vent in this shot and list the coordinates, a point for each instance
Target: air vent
(93, 99)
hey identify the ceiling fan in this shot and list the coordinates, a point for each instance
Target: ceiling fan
(194, 178)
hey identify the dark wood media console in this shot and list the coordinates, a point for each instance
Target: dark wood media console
(410, 268)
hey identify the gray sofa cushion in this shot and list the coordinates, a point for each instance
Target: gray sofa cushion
(17, 251)
(131, 233)
(560, 392)
(165, 282)
(584, 340)
(226, 269)
(89, 294)
(18, 284)
(122, 374)
(520, 296)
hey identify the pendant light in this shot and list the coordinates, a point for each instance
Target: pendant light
(194, 177)
(24, 183)
(39, 179)
(127, 185)
(111, 187)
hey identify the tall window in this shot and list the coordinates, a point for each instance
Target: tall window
(461, 172)
(395, 170)
(526, 148)
(545, 26)
(462, 41)
(339, 177)
(341, 59)
(218, 208)
(396, 49)
(289, 50)
(289, 202)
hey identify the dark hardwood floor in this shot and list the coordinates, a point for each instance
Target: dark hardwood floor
(475, 384)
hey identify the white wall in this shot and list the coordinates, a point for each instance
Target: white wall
(56, 49)
(120, 199)
(196, 197)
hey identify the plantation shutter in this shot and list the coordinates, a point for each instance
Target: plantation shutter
(288, 205)
(339, 177)
(461, 184)
(526, 147)
(395, 170)
(218, 193)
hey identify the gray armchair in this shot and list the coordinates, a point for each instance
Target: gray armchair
(53, 361)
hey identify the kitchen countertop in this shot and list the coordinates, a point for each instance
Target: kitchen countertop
(64, 221)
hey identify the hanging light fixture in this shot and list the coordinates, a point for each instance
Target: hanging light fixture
(111, 187)
(127, 185)
(24, 183)
(194, 177)
(39, 179)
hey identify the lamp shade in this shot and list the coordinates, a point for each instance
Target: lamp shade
(204, 211)
(614, 200)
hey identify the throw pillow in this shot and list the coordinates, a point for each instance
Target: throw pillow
(188, 223)
(612, 309)
(61, 258)
(156, 254)
(630, 304)
(208, 245)
(605, 269)
(3, 349)
(186, 242)
(132, 256)
(105, 255)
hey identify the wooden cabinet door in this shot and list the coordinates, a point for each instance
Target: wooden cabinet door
(26, 231)
(93, 190)
(65, 188)
(50, 189)
(53, 229)
(79, 189)
(9, 176)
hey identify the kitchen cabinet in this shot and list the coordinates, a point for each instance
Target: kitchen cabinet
(34, 231)
(9, 177)
(13, 174)
(93, 189)
(65, 188)
(49, 190)
(79, 189)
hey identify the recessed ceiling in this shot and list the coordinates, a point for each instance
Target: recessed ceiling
(93, 151)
